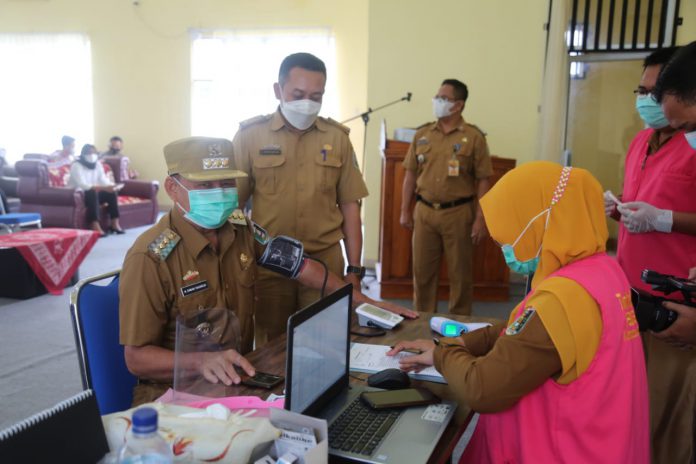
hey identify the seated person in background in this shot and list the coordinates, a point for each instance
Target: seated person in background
(115, 147)
(65, 155)
(203, 254)
(565, 381)
(88, 174)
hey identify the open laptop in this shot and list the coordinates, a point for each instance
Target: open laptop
(316, 384)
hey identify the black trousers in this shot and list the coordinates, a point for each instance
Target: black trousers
(94, 199)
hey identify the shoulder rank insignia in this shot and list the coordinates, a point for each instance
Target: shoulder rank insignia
(519, 323)
(163, 245)
(238, 217)
(255, 120)
(484, 133)
(260, 234)
(333, 122)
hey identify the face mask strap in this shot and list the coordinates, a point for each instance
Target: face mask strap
(557, 195)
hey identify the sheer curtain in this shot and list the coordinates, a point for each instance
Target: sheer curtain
(45, 92)
(232, 74)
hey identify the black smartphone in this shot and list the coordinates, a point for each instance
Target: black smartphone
(263, 380)
(384, 399)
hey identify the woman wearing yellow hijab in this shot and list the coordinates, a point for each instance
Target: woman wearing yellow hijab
(565, 380)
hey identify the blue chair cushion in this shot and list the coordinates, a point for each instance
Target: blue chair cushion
(110, 378)
(12, 219)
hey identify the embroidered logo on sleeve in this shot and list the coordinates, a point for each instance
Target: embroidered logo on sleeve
(518, 325)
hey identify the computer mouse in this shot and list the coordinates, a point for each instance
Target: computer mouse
(389, 379)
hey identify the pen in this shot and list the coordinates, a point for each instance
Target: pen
(410, 350)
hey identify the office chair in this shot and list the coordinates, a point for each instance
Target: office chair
(12, 222)
(94, 312)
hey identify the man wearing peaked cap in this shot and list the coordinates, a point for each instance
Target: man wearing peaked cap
(203, 254)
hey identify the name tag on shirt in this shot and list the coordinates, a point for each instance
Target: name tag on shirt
(270, 150)
(194, 288)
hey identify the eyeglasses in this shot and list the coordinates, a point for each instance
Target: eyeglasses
(642, 91)
(441, 97)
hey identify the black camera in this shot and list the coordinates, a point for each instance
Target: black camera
(650, 313)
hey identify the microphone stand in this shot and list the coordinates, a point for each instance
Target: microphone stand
(366, 118)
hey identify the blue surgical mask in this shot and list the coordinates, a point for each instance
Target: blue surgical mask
(530, 265)
(691, 139)
(651, 112)
(210, 208)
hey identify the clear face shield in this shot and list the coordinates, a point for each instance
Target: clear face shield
(209, 330)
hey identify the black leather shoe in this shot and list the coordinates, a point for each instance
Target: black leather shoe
(113, 230)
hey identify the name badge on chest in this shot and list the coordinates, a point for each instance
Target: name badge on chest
(194, 288)
(270, 150)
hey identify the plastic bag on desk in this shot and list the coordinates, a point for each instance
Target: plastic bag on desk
(208, 331)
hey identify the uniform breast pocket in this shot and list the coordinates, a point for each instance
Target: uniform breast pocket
(466, 160)
(328, 171)
(266, 172)
(422, 156)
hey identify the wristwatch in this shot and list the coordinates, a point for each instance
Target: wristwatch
(359, 270)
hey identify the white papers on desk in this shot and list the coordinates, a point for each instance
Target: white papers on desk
(373, 358)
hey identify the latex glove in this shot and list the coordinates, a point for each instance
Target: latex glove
(640, 217)
(609, 203)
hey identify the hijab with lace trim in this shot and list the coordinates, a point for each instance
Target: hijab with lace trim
(577, 227)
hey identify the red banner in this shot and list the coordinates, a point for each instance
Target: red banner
(53, 254)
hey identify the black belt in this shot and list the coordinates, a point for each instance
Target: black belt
(445, 205)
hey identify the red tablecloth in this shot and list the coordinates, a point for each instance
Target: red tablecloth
(53, 254)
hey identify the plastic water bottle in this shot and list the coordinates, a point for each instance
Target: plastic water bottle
(143, 444)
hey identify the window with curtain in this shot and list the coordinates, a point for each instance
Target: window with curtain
(232, 74)
(45, 92)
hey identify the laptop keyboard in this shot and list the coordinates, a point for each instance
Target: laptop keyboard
(360, 429)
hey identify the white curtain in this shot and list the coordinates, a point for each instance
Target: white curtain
(45, 92)
(232, 74)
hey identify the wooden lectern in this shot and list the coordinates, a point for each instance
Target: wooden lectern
(394, 269)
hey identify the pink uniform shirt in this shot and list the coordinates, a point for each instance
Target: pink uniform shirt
(667, 180)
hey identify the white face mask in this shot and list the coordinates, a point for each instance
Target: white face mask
(300, 113)
(91, 158)
(442, 107)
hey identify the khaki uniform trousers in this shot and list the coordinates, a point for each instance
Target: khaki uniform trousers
(672, 392)
(277, 297)
(435, 231)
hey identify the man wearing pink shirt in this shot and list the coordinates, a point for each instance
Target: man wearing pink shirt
(658, 232)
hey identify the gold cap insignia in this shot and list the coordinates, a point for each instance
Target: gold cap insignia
(216, 163)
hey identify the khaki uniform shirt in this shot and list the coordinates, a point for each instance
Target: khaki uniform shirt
(429, 156)
(154, 290)
(298, 181)
(490, 370)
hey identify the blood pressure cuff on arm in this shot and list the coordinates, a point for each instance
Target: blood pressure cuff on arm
(284, 256)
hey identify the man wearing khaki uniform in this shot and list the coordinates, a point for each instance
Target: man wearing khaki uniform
(203, 255)
(447, 166)
(304, 182)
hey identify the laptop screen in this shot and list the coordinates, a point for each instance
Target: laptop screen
(318, 352)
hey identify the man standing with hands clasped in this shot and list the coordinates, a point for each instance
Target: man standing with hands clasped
(448, 168)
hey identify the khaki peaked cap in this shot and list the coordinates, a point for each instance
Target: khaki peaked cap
(201, 159)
